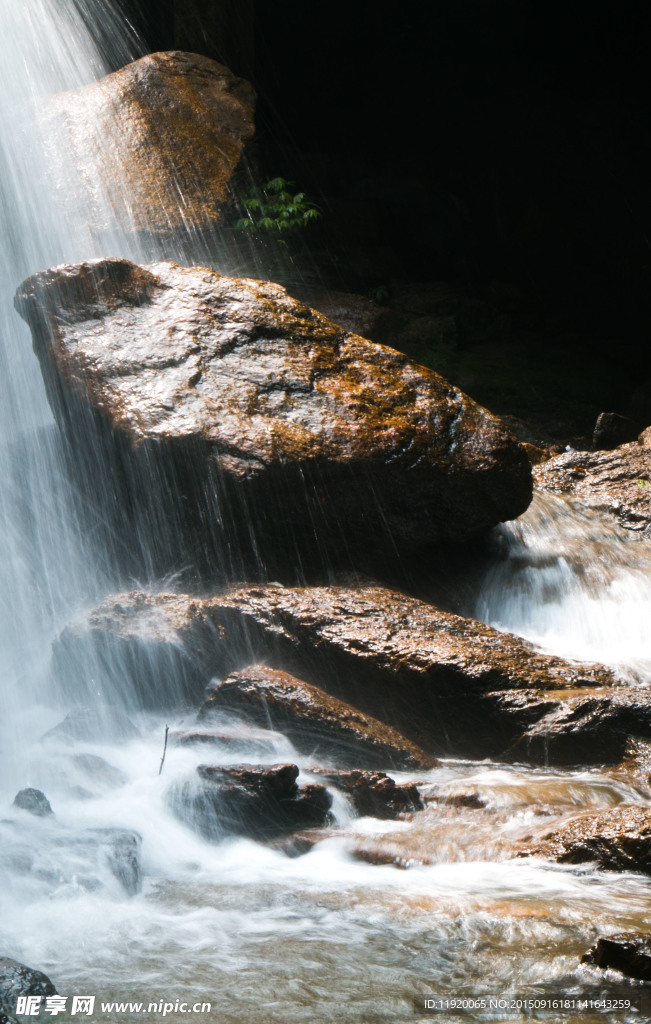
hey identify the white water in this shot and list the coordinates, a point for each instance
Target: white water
(573, 583)
(257, 934)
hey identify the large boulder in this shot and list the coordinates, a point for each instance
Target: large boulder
(617, 481)
(228, 409)
(313, 720)
(435, 676)
(149, 149)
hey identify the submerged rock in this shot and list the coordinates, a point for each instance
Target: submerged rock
(436, 677)
(167, 125)
(314, 721)
(259, 801)
(95, 725)
(616, 840)
(373, 794)
(617, 482)
(34, 801)
(627, 952)
(18, 980)
(233, 414)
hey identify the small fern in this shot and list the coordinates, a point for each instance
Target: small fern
(277, 209)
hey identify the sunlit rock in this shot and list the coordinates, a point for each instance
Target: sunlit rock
(149, 149)
(224, 408)
(436, 677)
(617, 481)
(313, 720)
(617, 840)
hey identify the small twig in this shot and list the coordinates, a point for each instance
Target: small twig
(162, 760)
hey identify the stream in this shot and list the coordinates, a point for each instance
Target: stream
(258, 935)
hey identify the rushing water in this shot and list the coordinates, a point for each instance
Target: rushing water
(256, 934)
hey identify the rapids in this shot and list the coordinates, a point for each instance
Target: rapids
(258, 935)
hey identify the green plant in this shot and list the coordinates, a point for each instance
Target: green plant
(277, 209)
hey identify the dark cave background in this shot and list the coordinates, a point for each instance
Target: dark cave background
(501, 148)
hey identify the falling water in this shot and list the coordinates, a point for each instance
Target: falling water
(258, 935)
(574, 583)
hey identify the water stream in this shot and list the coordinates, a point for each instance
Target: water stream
(258, 935)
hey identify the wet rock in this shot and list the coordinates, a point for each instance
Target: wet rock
(18, 980)
(431, 674)
(373, 794)
(469, 801)
(617, 482)
(611, 430)
(259, 801)
(314, 721)
(121, 848)
(234, 740)
(34, 801)
(105, 776)
(635, 767)
(617, 840)
(627, 952)
(575, 728)
(228, 410)
(166, 125)
(95, 725)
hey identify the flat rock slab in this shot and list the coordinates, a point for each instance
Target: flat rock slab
(429, 673)
(262, 418)
(617, 481)
(149, 149)
(618, 840)
(314, 721)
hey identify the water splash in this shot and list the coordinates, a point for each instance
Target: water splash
(574, 584)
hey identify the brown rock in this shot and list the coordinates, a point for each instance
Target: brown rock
(617, 840)
(568, 728)
(261, 801)
(431, 674)
(627, 952)
(315, 722)
(618, 482)
(374, 794)
(226, 401)
(169, 124)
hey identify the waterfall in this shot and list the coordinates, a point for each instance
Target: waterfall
(46, 568)
(574, 584)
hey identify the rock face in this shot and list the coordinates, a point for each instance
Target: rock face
(619, 840)
(166, 125)
(627, 952)
(618, 481)
(437, 677)
(315, 722)
(260, 801)
(17, 980)
(224, 403)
